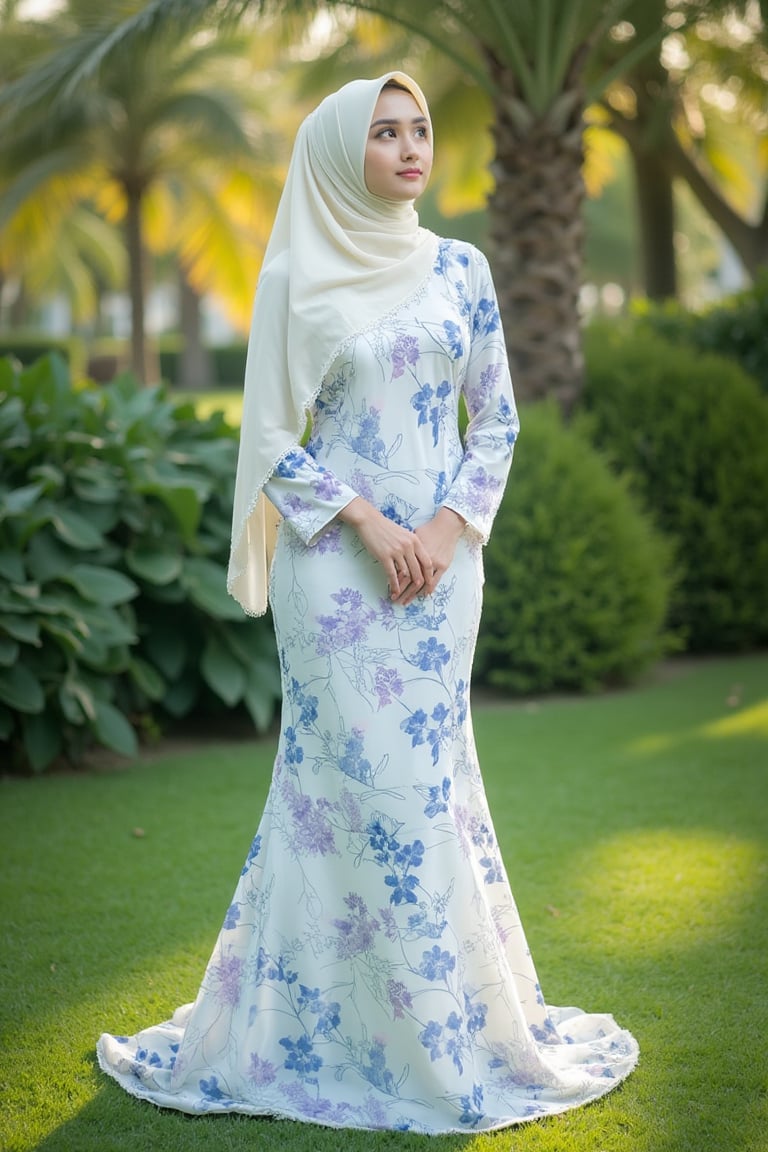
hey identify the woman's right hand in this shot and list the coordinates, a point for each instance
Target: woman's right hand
(401, 553)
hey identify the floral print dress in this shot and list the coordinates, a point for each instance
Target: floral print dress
(372, 971)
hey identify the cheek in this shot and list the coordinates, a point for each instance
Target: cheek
(373, 163)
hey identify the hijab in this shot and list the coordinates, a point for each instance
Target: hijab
(338, 260)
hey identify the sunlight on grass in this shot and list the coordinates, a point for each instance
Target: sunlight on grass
(747, 722)
(662, 890)
(228, 401)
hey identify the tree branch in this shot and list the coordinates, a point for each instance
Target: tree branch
(749, 240)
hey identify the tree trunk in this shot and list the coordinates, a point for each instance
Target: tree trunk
(18, 313)
(196, 360)
(656, 214)
(749, 241)
(537, 238)
(136, 283)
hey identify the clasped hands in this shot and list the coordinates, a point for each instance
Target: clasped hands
(413, 562)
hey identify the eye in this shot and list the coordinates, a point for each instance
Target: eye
(385, 132)
(422, 132)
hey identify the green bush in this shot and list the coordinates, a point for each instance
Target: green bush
(115, 512)
(692, 433)
(26, 347)
(577, 582)
(227, 362)
(736, 327)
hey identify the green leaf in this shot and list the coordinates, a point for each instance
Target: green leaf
(114, 730)
(12, 566)
(181, 500)
(20, 500)
(77, 701)
(166, 646)
(11, 409)
(9, 650)
(46, 558)
(147, 678)
(182, 695)
(22, 628)
(222, 672)
(75, 530)
(20, 689)
(60, 627)
(155, 567)
(262, 691)
(206, 583)
(51, 478)
(42, 739)
(111, 625)
(95, 483)
(101, 585)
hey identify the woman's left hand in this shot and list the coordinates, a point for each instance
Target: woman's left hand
(439, 536)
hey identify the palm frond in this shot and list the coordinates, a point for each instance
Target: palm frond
(27, 183)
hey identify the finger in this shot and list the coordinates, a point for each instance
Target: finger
(422, 566)
(433, 579)
(399, 577)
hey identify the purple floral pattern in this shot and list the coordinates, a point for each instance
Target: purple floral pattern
(371, 970)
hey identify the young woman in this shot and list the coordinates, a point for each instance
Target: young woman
(372, 971)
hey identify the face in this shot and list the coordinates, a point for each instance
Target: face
(398, 153)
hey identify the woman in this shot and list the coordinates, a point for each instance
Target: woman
(372, 971)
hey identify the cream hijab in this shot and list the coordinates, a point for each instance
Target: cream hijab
(338, 260)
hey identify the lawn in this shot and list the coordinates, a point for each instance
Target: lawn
(635, 831)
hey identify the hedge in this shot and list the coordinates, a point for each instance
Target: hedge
(736, 327)
(115, 512)
(690, 432)
(577, 581)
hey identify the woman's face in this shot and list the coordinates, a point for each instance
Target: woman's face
(398, 153)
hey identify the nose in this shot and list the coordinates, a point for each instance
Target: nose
(409, 150)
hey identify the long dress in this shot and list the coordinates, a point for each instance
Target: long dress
(372, 971)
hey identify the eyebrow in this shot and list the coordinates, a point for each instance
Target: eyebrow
(416, 120)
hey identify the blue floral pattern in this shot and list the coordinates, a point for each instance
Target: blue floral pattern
(371, 970)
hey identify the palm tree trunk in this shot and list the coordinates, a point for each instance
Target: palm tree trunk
(196, 361)
(537, 237)
(136, 282)
(18, 313)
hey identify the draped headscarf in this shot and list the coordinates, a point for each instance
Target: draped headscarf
(338, 260)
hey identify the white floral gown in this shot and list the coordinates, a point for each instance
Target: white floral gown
(372, 971)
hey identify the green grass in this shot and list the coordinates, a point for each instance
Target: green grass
(635, 831)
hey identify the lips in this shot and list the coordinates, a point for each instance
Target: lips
(410, 172)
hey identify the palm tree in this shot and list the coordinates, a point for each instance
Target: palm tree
(56, 241)
(165, 114)
(532, 59)
(541, 62)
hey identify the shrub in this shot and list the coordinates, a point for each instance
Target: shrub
(227, 362)
(115, 511)
(577, 581)
(26, 347)
(736, 328)
(691, 432)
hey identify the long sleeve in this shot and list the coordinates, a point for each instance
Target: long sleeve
(478, 486)
(308, 495)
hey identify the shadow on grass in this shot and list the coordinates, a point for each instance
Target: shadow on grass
(113, 1122)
